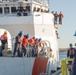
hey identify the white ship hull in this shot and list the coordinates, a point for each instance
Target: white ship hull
(39, 25)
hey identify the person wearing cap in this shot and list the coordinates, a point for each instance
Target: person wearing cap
(18, 44)
(35, 48)
(24, 44)
(3, 39)
(70, 54)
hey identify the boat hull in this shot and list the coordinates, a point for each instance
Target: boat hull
(24, 66)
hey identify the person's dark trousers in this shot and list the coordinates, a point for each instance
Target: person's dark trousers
(60, 20)
(16, 49)
(55, 20)
(1, 51)
(24, 51)
(3, 47)
(19, 52)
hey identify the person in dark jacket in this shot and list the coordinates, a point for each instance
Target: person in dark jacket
(73, 68)
(18, 44)
(70, 54)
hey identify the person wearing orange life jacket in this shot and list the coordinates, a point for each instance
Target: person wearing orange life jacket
(60, 17)
(70, 54)
(24, 44)
(3, 39)
(32, 41)
(18, 44)
(39, 41)
(35, 48)
(71, 51)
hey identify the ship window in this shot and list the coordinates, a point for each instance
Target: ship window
(20, 8)
(41, 10)
(38, 9)
(13, 9)
(0, 10)
(6, 10)
(34, 9)
(28, 8)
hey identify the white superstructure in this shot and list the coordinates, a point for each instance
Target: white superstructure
(36, 20)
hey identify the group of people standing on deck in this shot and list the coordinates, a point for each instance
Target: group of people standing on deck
(72, 54)
(26, 46)
(21, 45)
(58, 17)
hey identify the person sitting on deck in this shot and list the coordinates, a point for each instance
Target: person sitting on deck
(25, 12)
(18, 12)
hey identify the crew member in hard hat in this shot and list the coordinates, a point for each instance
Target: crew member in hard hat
(3, 39)
(32, 41)
(71, 50)
(24, 44)
(70, 54)
(18, 44)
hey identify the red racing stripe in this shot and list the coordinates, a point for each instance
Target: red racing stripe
(40, 65)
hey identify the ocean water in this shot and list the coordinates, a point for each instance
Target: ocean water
(62, 55)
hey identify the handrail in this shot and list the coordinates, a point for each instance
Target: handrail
(64, 68)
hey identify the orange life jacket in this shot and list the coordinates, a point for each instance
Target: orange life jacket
(4, 37)
(24, 41)
(61, 15)
(32, 41)
(71, 52)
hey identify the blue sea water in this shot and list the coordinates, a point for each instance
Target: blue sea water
(62, 55)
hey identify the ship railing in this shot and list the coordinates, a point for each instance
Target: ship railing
(65, 66)
(42, 51)
(16, 1)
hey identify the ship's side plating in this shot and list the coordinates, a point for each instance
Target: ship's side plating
(38, 24)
